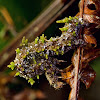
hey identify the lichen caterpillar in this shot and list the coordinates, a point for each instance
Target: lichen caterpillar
(38, 57)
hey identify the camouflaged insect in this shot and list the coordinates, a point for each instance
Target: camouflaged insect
(39, 57)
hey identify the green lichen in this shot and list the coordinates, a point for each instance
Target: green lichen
(70, 18)
(69, 44)
(62, 52)
(63, 29)
(42, 38)
(34, 61)
(51, 65)
(12, 65)
(76, 23)
(31, 81)
(74, 33)
(65, 20)
(24, 42)
(45, 68)
(51, 39)
(37, 77)
(39, 64)
(17, 74)
(46, 56)
(17, 50)
(36, 40)
(24, 56)
(57, 53)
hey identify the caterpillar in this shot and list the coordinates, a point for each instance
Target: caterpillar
(39, 57)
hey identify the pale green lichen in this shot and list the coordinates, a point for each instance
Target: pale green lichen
(42, 38)
(69, 44)
(24, 42)
(65, 20)
(46, 56)
(17, 50)
(74, 33)
(39, 64)
(63, 29)
(37, 76)
(12, 65)
(31, 81)
(17, 74)
(36, 40)
(51, 39)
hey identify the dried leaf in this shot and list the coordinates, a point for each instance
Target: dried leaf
(90, 39)
(87, 76)
(68, 75)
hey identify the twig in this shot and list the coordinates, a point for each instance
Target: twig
(78, 66)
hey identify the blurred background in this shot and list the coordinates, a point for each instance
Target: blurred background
(31, 18)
